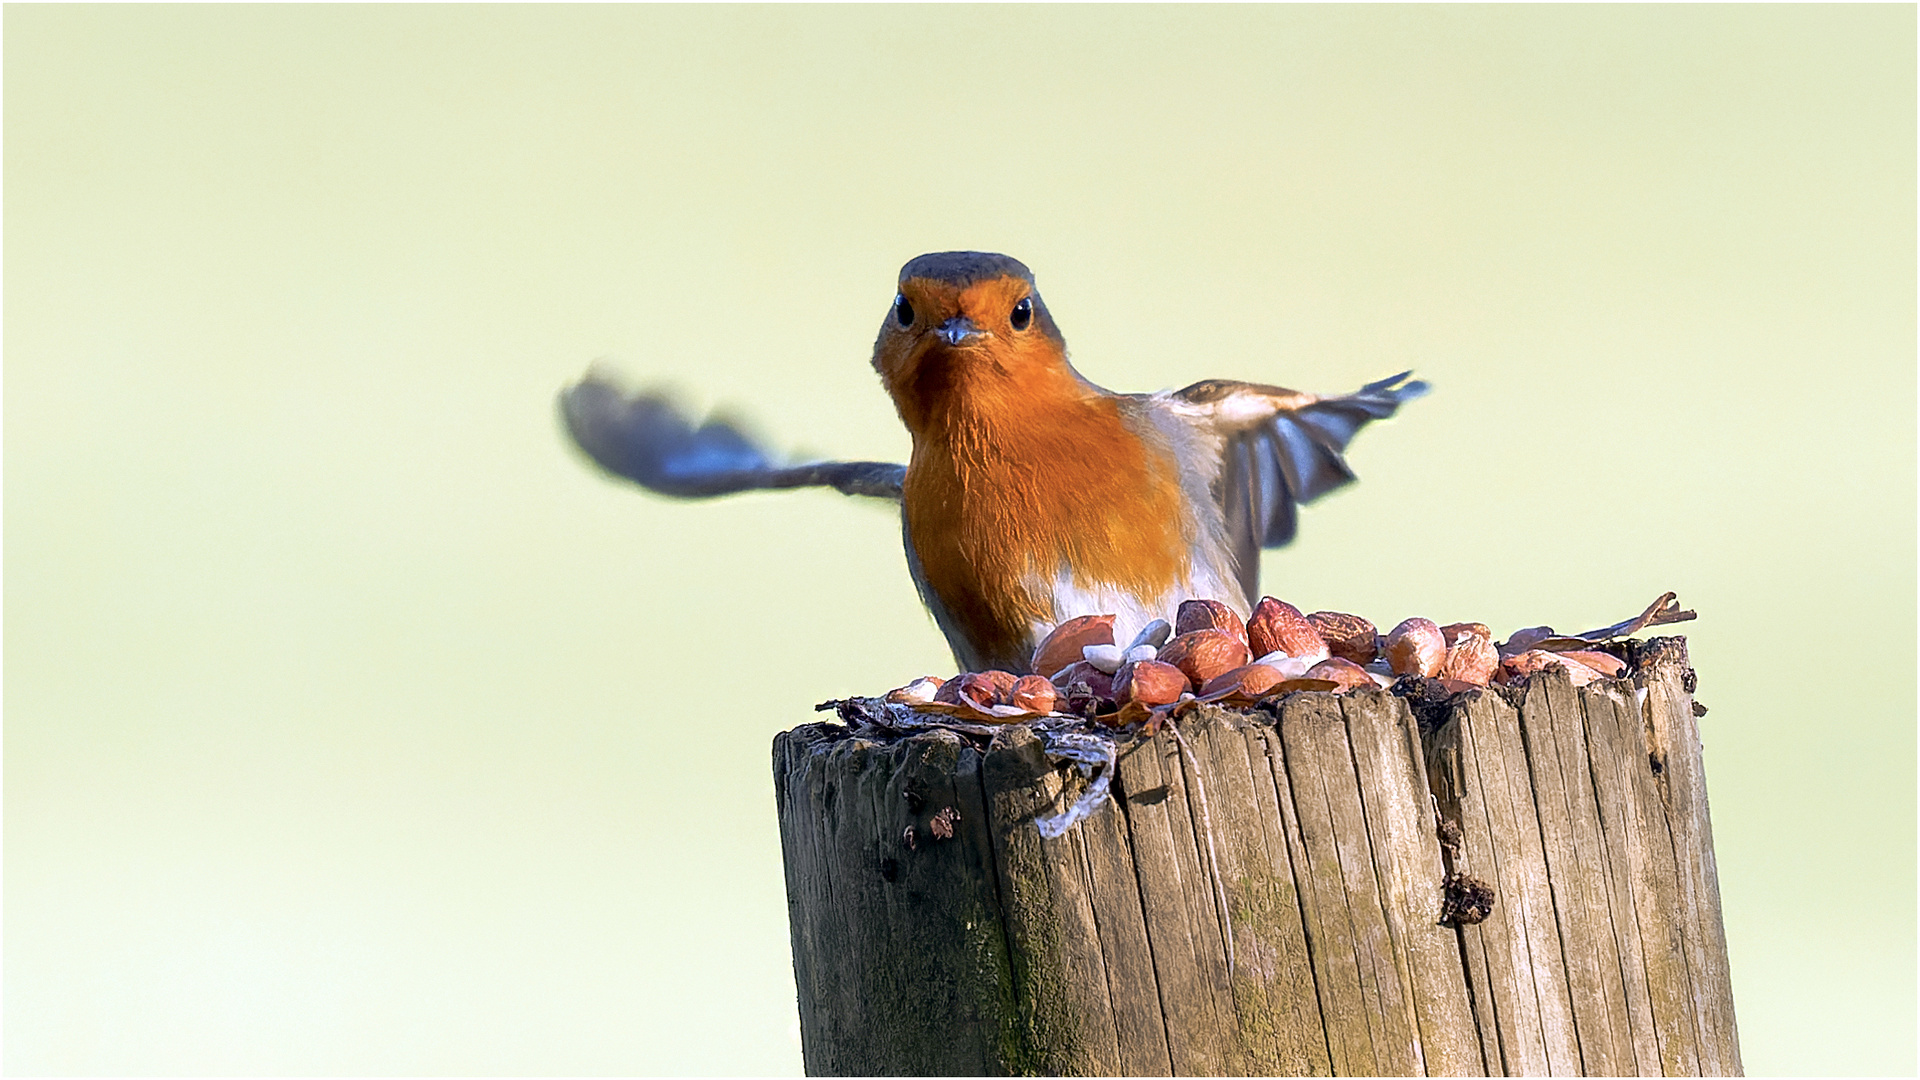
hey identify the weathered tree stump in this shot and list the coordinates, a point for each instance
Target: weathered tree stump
(1283, 891)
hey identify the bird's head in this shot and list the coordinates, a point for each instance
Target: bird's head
(965, 323)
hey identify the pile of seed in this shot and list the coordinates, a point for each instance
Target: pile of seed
(1209, 654)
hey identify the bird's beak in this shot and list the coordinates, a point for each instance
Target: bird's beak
(959, 330)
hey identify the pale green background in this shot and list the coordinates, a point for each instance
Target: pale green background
(354, 725)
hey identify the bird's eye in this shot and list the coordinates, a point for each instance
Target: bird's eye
(902, 311)
(1022, 316)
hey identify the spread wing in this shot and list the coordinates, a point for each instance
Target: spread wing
(647, 439)
(1280, 448)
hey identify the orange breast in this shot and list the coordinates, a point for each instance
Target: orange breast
(1009, 485)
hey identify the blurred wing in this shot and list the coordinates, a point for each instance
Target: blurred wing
(1282, 447)
(647, 439)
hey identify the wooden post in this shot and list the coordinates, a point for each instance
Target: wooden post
(1286, 891)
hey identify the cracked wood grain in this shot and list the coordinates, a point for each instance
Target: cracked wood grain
(1085, 989)
(1392, 776)
(1482, 782)
(1183, 924)
(1554, 736)
(1669, 708)
(877, 925)
(1341, 862)
(1276, 1013)
(1634, 821)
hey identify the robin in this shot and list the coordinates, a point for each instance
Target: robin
(1032, 495)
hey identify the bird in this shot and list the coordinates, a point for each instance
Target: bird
(1031, 495)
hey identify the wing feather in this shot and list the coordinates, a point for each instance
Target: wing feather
(1280, 448)
(1239, 506)
(646, 438)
